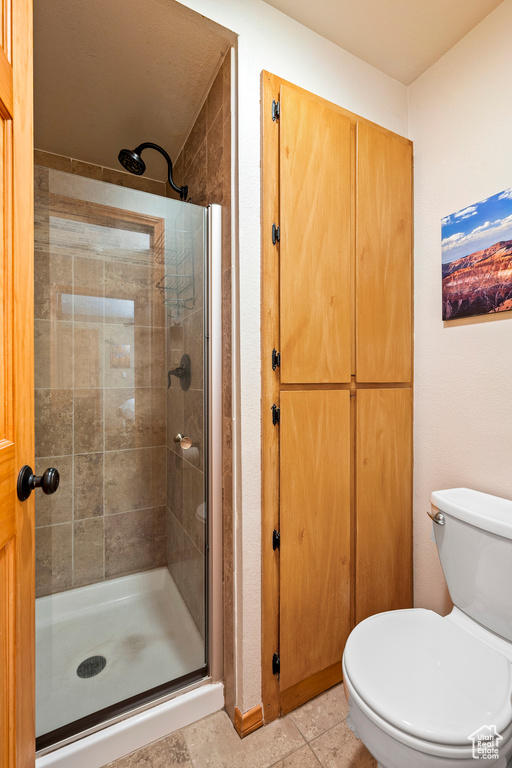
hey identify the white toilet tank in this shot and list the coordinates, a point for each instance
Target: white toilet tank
(475, 549)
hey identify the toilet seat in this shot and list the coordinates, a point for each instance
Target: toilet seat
(428, 678)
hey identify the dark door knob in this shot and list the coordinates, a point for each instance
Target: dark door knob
(27, 481)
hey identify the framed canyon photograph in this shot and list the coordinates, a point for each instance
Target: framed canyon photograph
(477, 258)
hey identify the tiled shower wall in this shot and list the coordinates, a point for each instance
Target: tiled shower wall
(94, 359)
(205, 166)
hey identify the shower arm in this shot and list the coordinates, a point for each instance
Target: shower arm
(182, 191)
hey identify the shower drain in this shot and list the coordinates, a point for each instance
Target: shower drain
(91, 666)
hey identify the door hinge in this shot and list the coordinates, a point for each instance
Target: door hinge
(276, 110)
(276, 414)
(276, 663)
(276, 235)
(276, 540)
(276, 359)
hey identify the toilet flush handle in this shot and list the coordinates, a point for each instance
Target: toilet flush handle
(438, 517)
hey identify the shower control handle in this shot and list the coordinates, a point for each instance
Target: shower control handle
(183, 442)
(27, 482)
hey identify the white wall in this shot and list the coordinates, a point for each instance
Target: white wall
(272, 41)
(460, 123)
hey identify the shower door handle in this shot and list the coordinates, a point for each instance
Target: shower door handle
(27, 482)
(183, 442)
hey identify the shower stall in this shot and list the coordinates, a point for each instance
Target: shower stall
(123, 403)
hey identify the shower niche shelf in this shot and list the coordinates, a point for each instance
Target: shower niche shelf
(179, 293)
(178, 287)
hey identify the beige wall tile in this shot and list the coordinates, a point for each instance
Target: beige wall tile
(52, 279)
(119, 355)
(154, 186)
(187, 565)
(134, 541)
(49, 160)
(88, 290)
(53, 559)
(57, 508)
(53, 359)
(88, 485)
(195, 139)
(193, 342)
(186, 495)
(88, 543)
(88, 420)
(193, 412)
(196, 175)
(54, 422)
(87, 356)
(215, 99)
(136, 284)
(149, 357)
(134, 418)
(89, 170)
(134, 479)
(215, 161)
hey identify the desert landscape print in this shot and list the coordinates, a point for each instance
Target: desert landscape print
(477, 258)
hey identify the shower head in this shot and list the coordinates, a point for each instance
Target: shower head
(131, 160)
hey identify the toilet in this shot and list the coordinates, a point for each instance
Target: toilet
(426, 691)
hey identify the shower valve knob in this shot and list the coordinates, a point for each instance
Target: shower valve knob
(27, 482)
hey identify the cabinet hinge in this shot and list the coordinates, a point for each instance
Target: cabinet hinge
(276, 235)
(276, 359)
(276, 663)
(276, 540)
(276, 110)
(276, 414)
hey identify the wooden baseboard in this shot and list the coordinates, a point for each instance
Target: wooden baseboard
(248, 721)
(298, 694)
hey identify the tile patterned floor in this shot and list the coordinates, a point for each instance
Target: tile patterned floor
(314, 735)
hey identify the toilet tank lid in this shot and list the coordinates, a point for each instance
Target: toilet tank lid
(490, 513)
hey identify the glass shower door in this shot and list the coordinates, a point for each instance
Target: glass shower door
(120, 387)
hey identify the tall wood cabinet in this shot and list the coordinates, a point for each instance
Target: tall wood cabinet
(336, 385)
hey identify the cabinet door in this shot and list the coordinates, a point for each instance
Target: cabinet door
(383, 256)
(315, 238)
(383, 501)
(315, 532)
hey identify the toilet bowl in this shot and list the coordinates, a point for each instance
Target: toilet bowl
(431, 692)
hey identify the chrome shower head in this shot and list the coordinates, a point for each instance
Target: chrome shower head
(132, 161)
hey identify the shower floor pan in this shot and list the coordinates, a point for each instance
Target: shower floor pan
(140, 628)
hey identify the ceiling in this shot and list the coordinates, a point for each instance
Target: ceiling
(110, 74)
(401, 38)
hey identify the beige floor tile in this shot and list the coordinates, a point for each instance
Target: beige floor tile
(321, 714)
(169, 751)
(339, 748)
(213, 743)
(302, 758)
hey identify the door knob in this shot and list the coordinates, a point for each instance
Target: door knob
(183, 442)
(27, 482)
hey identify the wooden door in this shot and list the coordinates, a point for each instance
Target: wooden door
(315, 532)
(383, 256)
(17, 732)
(384, 499)
(315, 241)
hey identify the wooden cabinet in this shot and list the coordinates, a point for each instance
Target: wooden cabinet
(337, 306)
(315, 203)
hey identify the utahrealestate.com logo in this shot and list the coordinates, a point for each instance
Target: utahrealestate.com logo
(486, 741)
